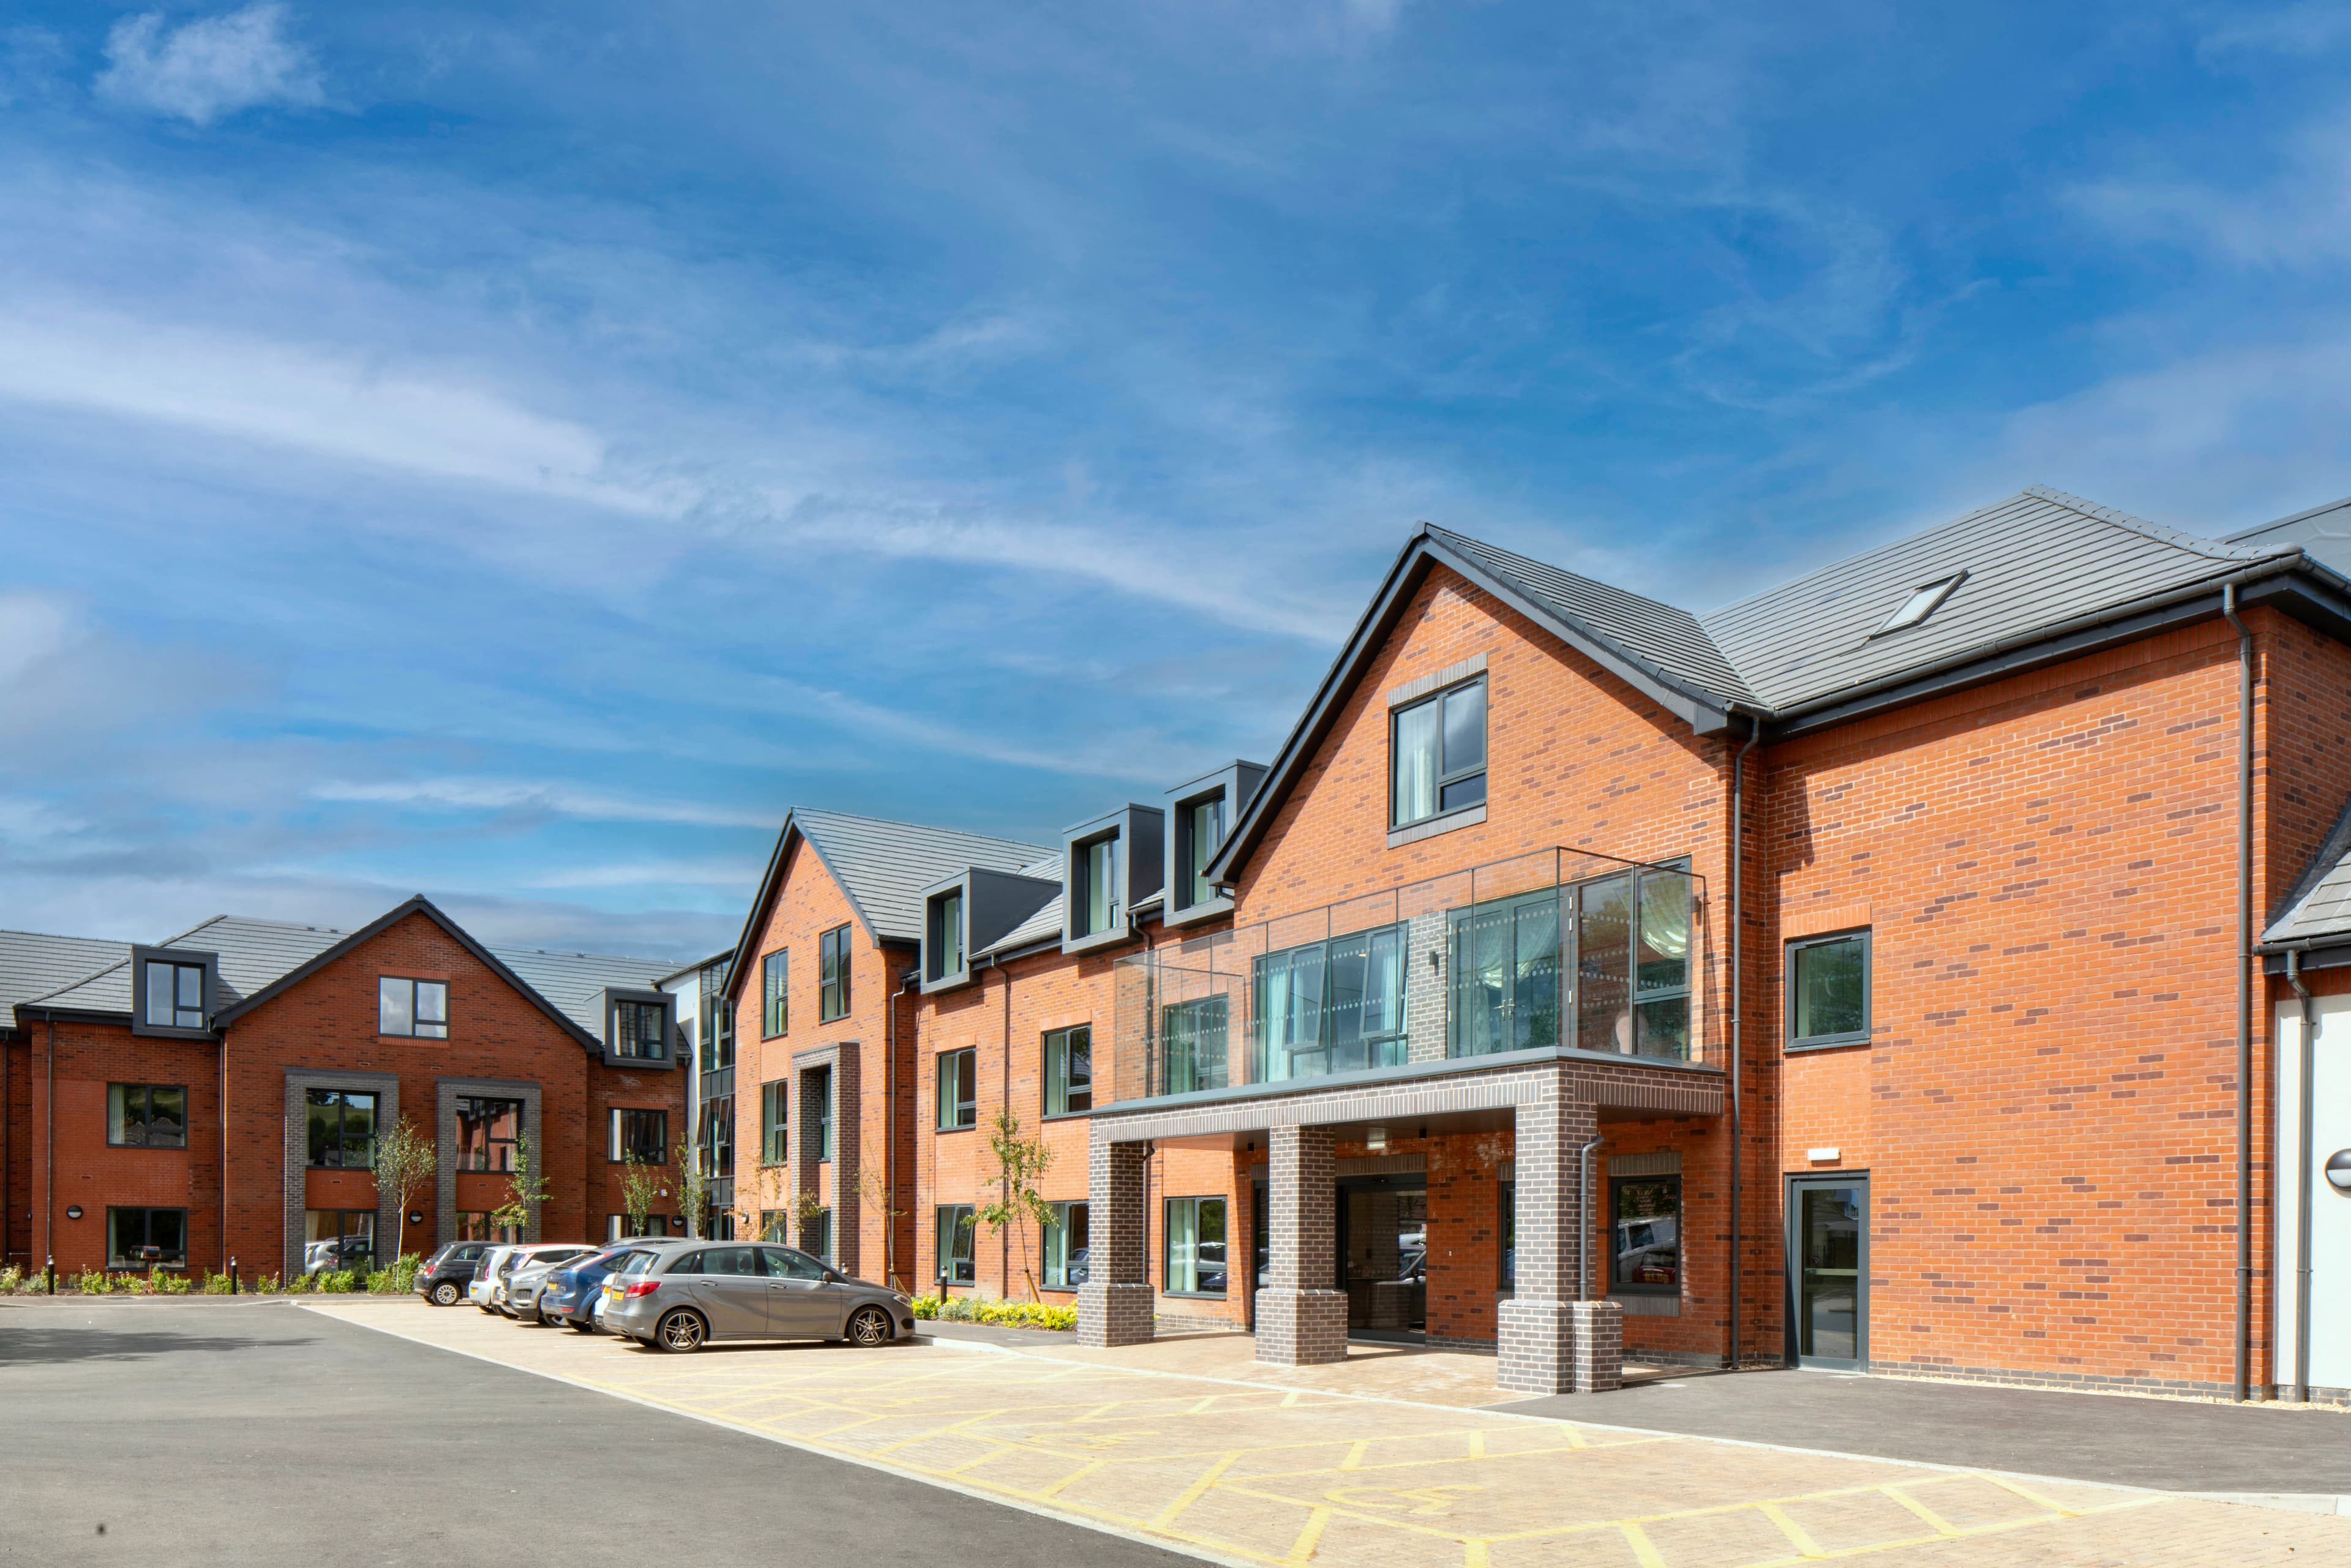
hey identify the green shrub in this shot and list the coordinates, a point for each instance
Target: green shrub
(379, 1282)
(301, 1284)
(94, 1283)
(164, 1284)
(215, 1284)
(1000, 1314)
(404, 1272)
(265, 1285)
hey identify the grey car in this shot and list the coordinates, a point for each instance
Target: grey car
(530, 1274)
(679, 1297)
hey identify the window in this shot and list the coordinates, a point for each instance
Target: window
(776, 993)
(1204, 829)
(641, 1135)
(486, 1133)
(1066, 1248)
(946, 935)
(1070, 1070)
(1632, 964)
(338, 1238)
(175, 999)
(417, 1007)
(955, 1233)
(146, 1238)
(1439, 747)
(1506, 973)
(775, 1225)
(1096, 894)
(775, 1132)
(617, 1228)
(1646, 1255)
(816, 1236)
(146, 1115)
(1828, 990)
(717, 1020)
(342, 1128)
(1332, 1006)
(832, 975)
(818, 1110)
(1510, 1217)
(641, 1030)
(718, 1136)
(1923, 601)
(958, 1074)
(1194, 1240)
(475, 1226)
(1192, 1049)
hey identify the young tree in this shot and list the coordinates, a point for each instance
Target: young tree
(640, 1184)
(405, 1160)
(806, 1209)
(1019, 1163)
(693, 1190)
(873, 1198)
(526, 1186)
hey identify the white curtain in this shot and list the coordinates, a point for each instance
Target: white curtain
(1415, 763)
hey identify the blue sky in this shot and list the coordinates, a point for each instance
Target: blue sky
(514, 456)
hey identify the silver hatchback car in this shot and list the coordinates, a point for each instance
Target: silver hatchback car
(679, 1298)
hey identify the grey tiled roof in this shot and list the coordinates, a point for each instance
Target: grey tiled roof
(2034, 562)
(883, 866)
(2323, 532)
(2320, 904)
(1668, 640)
(33, 963)
(571, 981)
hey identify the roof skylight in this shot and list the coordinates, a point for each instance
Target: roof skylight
(1923, 601)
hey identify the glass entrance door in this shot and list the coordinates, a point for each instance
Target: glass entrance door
(1383, 1255)
(1828, 1260)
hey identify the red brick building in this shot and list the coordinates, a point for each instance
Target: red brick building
(1933, 884)
(219, 1095)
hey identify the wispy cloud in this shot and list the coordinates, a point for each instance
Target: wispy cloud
(479, 794)
(205, 69)
(2299, 216)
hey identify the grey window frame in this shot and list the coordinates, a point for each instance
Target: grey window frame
(960, 1067)
(616, 1138)
(1061, 1223)
(1081, 887)
(776, 994)
(832, 974)
(1616, 1287)
(1444, 777)
(465, 1111)
(146, 1122)
(1867, 937)
(945, 953)
(1045, 1071)
(717, 1144)
(967, 1229)
(208, 964)
(820, 1116)
(145, 1208)
(821, 1246)
(775, 1121)
(717, 1018)
(415, 1030)
(636, 1007)
(1506, 1231)
(341, 1098)
(1166, 1234)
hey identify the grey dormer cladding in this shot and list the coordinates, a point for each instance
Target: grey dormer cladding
(995, 904)
(1140, 855)
(1233, 784)
(604, 1001)
(212, 1001)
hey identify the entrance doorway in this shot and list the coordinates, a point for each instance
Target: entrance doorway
(1828, 1270)
(1383, 1256)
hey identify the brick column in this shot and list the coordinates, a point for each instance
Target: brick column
(1550, 1342)
(1301, 1319)
(1115, 1304)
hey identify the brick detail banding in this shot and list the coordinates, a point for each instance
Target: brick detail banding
(447, 1092)
(1300, 1320)
(299, 1081)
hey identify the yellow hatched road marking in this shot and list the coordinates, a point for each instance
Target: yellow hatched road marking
(1644, 1551)
(1310, 1537)
(1795, 1532)
(1967, 1533)
(1073, 1478)
(2029, 1495)
(1193, 1493)
(1940, 1525)
(1355, 1452)
(1477, 1443)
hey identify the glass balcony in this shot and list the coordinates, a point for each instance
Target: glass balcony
(1559, 948)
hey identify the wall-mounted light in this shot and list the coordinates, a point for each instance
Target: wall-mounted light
(1375, 1139)
(73, 1210)
(2338, 1170)
(415, 1217)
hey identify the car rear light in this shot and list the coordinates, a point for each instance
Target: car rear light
(643, 1287)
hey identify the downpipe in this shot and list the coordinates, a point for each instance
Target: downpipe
(1738, 970)
(2244, 1346)
(2305, 1159)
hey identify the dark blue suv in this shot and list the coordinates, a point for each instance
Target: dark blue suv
(570, 1294)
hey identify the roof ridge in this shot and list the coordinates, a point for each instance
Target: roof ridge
(1554, 566)
(570, 953)
(919, 827)
(2161, 533)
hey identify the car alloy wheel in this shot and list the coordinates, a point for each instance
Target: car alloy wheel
(870, 1326)
(680, 1333)
(444, 1294)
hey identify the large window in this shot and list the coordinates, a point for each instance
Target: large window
(1066, 1248)
(1193, 1044)
(416, 1008)
(342, 1128)
(817, 1111)
(487, 1130)
(175, 999)
(1332, 1006)
(146, 1238)
(1506, 973)
(641, 1135)
(718, 1136)
(717, 1018)
(1632, 964)
(958, 1074)
(816, 1235)
(338, 1238)
(956, 1237)
(1204, 829)
(776, 993)
(1194, 1264)
(146, 1115)
(473, 1225)
(1096, 894)
(774, 1129)
(619, 1228)
(1646, 1256)
(1439, 750)
(1070, 1070)
(832, 975)
(641, 1030)
(1828, 990)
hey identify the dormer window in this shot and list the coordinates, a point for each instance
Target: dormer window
(972, 912)
(641, 1030)
(1923, 601)
(1203, 831)
(1200, 816)
(950, 954)
(175, 994)
(1110, 865)
(1095, 900)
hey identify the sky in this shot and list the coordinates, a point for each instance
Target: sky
(513, 455)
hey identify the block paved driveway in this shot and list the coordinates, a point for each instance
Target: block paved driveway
(1274, 1473)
